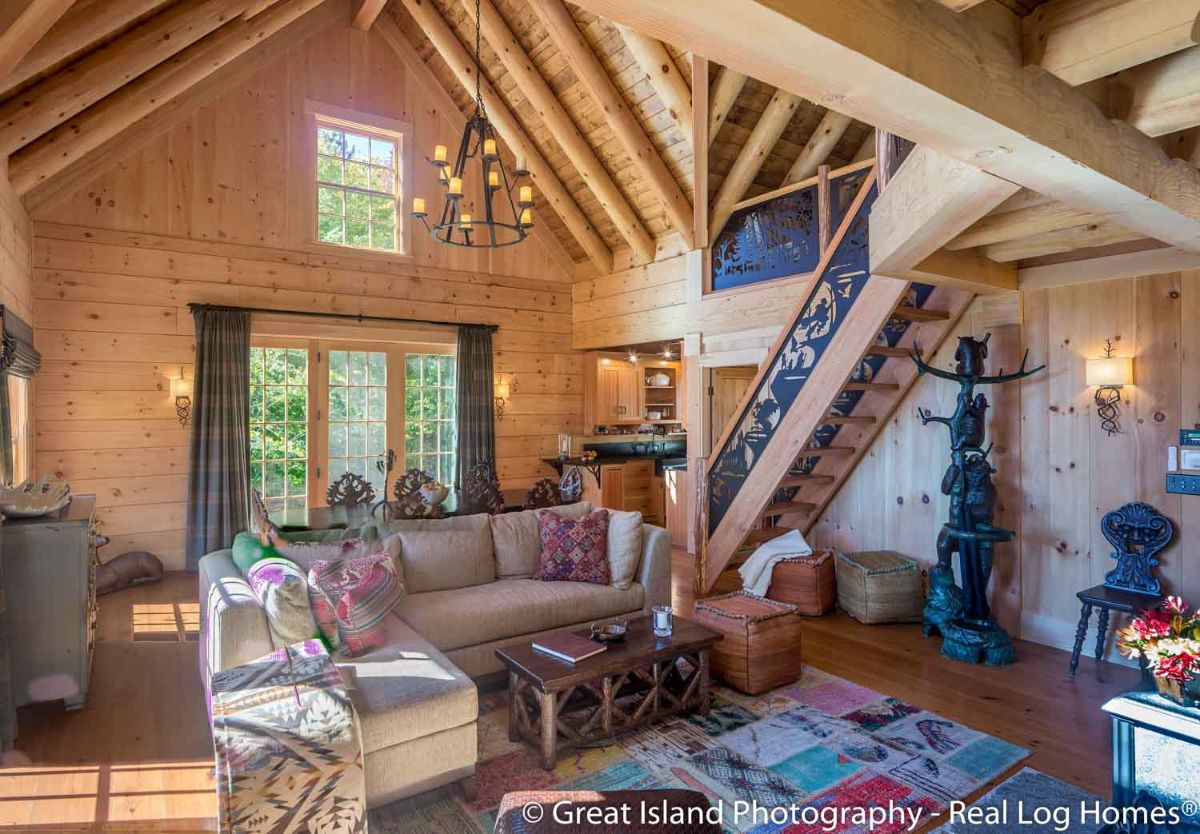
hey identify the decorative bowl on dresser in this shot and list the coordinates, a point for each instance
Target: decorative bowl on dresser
(50, 587)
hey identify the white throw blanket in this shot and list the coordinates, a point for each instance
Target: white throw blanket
(756, 571)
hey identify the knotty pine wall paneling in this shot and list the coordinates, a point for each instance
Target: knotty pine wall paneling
(216, 210)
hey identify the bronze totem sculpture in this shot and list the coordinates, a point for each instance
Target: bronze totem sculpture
(963, 617)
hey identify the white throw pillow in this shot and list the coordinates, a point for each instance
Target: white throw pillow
(624, 546)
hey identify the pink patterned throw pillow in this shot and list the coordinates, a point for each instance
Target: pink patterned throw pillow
(352, 598)
(574, 550)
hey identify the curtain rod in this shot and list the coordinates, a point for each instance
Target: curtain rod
(322, 315)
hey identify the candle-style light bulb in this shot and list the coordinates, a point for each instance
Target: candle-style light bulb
(465, 221)
(489, 148)
(493, 179)
(526, 195)
(527, 217)
(419, 206)
(455, 187)
(439, 154)
(521, 169)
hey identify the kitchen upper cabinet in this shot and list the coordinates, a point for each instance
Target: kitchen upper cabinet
(612, 391)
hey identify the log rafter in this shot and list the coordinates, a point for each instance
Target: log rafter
(462, 65)
(29, 27)
(664, 76)
(725, 89)
(568, 136)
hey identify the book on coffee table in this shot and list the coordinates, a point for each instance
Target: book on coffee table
(568, 647)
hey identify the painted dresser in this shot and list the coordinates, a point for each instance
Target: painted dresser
(50, 588)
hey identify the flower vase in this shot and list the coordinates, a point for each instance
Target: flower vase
(1185, 694)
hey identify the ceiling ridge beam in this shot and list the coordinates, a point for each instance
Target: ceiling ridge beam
(726, 87)
(37, 162)
(818, 147)
(30, 26)
(954, 87)
(462, 65)
(86, 22)
(564, 131)
(750, 158)
(666, 79)
(645, 156)
(46, 105)
(1082, 40)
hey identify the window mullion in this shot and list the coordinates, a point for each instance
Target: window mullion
(318, 432)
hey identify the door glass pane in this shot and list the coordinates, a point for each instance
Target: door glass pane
(279, 426)
(429, 414)
(357, 414)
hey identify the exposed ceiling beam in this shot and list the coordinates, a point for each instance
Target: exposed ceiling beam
(25, 32)
(462, 64)
(961, 5)
(965, 271)
(534, 87)
(867, 149)
(365, 13)
(53, 152)
(1011, 225)
(1101, 233)
(144, 131)
(818, 147)
(587, 67)
(929, 200)
(86, 22)
(750, 158)
(725, 90)
(1126, 265)
(945, 81)
(1082, 40)
(1161, 96)
(46, 105)
(664, 76)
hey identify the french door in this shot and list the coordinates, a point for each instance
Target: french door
(320, 408)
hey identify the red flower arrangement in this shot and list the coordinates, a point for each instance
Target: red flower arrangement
(1169, 638)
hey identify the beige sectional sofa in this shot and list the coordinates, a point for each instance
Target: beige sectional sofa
(469, 593)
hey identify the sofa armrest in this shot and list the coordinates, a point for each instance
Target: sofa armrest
(233, 626)
(655, 571)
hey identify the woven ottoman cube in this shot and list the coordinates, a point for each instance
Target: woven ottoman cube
(807, 582)
(761, 649)
(880, 586)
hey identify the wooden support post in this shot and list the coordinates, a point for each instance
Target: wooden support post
(587, 67)
(824, 207)
(462, 64)
(534, 87)
(700, 141)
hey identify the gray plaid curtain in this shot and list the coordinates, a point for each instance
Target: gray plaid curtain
(219, 473)
(475, 415)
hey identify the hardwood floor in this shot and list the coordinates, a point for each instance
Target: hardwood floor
(138, 756)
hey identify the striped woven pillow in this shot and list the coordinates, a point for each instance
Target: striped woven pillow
(358, 593)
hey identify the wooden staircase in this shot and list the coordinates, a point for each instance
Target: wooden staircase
(826, 389)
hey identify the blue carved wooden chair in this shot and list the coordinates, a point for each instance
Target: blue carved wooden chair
(1138, 533)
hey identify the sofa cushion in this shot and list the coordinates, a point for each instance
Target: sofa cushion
(438, 560)
(247, 550)
(518, 543)
(624, 546)
(406, 690)
(510, 608)
(575, 550)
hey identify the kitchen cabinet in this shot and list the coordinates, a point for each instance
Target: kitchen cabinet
(630, 486)
(619, 392)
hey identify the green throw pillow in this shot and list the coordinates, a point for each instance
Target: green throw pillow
(247, 550)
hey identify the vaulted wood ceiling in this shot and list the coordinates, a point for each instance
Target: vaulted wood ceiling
(605, 109)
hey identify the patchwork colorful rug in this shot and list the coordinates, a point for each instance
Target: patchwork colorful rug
(822, 743)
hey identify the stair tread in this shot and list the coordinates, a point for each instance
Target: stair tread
(826, 450)
(871, 386)
(787, 507)
(888, 350)
(919, 314)
(765, 534)
(848, 420)
(802, 480)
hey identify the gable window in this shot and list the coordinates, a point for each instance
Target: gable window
(358, 186)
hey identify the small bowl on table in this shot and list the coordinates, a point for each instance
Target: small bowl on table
(434, 494)
(610, 632)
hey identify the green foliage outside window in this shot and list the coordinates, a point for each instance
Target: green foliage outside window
(429, 413)
(279, 426)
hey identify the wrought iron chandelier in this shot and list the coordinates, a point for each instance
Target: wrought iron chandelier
(505, 220)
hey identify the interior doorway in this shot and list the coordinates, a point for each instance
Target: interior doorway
(726, 389)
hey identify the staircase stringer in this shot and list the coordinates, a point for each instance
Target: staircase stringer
(846, 350)
(929, 336)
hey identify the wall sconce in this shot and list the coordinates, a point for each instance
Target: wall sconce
(499, 395)
(181, 390)
(1107, 375)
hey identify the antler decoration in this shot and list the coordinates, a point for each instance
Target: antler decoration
(1003, 377)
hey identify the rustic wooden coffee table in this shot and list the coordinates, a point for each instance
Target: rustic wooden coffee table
(557, 705)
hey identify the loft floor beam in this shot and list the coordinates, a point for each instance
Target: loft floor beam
(945, 81)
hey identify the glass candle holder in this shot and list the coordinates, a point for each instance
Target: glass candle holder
(664, 620)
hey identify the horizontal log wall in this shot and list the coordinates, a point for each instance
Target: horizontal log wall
(210, 211)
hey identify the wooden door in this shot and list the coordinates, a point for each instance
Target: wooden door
(629, 394)
(727, 388)
(608, 393)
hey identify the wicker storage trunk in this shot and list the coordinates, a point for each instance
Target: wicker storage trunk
(807, 582)
(880, 586)
(761, 649)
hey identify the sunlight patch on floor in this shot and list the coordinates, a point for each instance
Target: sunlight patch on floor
(165, 622)
(127, 796)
